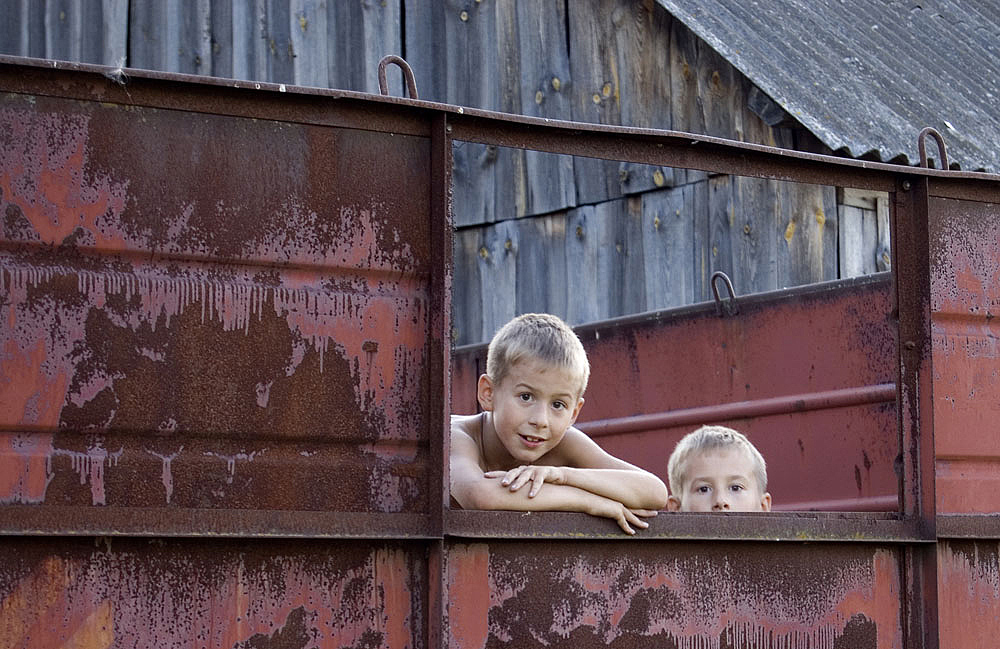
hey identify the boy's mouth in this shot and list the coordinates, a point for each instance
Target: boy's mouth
(531, 440)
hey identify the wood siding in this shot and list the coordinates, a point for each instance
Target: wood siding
(583, 238)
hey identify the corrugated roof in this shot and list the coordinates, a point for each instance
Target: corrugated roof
(865, 76)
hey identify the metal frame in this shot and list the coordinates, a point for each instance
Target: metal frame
(916, 527)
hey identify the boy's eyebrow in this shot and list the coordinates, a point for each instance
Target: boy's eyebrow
(528, 386)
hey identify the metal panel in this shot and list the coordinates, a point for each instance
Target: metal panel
(969, 592)
(213, 313)
(965, 300)
(218, 594)
(808, 374)
(672, 595)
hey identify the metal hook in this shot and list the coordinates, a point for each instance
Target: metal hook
(732, 306)
(383, 86)
(923, 151)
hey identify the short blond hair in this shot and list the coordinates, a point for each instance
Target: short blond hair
(709, 438)
(541, 336)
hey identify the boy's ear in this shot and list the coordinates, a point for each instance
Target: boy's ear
(674, 504)
(765, 502)
(576, 410)
(484, 392)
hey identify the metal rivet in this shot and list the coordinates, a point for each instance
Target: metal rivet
(464, 16)
(597, 98)
(746, 229)
(556, 84)
(909, 344)
(539, 96)
(906, 185)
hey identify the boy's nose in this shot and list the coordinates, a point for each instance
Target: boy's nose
(539, 417)
(721, 502)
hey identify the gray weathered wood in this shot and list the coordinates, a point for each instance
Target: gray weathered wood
(883, 260)
(668, 253)
(754, 235)
(541, 265)
(808, 217)
(467, 296)
(697, 195)
(586, 303)
(362, 32)
(310, 42)
(595, 91)
(685, 113)
(544, 84)
(720, 227)
(852, 248)
(173, 35)
(497, 276)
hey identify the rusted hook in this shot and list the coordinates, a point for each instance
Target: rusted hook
(732, 307)
(923, 149)
(383, 86)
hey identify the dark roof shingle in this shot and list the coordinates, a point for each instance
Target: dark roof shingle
(865, 76)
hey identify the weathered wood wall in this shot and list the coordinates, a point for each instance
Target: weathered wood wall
(586, 239)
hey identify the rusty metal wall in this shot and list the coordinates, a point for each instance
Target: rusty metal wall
(207, 312)
(806, 373)
(225, 313)
(965, 300)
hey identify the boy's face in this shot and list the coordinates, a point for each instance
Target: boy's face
(720, 480)
(532, 407)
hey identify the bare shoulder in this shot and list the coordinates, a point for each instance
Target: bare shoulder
(579, 450)
(465, 430)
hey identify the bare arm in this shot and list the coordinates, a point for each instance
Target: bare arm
(592, 469)
(474, 490)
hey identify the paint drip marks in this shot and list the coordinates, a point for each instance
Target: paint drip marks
(89, 465)
(969, 592)
(702, 604)
(965, 267)
(165, 598)
(167, 475)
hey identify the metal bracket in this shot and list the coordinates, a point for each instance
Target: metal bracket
(411, 84)
(731, 307)
(942, 152)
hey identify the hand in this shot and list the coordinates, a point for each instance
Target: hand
(622, 515)
(538, 475)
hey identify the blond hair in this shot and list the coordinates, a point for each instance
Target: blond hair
(708, 438)
(540, 336)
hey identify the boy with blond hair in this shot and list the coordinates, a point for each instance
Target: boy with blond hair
(531, 394)
(716, 469)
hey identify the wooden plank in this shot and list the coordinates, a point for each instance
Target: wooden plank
(278, 43)
(426, 38)
(586, 302)
(595, 91)
(755, 235)
(544, 74)
(174, 36)
(633, 289)
(696, 194)
(310, 39)
(863, 198)
(541, 264)
(498, 276)
(147, 40)
(642, 46)
(852, 246)
(466, 294)
(14, 28)
(366, 32)
(667, 250)
(62, 30)
(247, 38)
(720, 225)
(883, 260)
(685, 113)
(809, 218)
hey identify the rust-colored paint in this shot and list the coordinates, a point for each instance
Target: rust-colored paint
(965, 302)
(258, 311)
(969, 593)
(215, 595)
(579, 594)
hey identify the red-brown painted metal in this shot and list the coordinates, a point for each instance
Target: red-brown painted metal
(807, 373)
(206, 313)
(226, 314)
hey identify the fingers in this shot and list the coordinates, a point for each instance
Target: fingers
(623, 523)
(635, 520)
(645, 513)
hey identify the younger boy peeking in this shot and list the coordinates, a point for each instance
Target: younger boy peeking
(716, 469)
(531, 394)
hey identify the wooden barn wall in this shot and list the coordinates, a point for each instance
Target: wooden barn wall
(586, 239)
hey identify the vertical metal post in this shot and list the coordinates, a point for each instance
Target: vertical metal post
(439, 487)
(911, 274)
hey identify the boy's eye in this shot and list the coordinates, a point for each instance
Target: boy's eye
(525, 396)
(558, 405)
(703, 489)
(737, 487)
